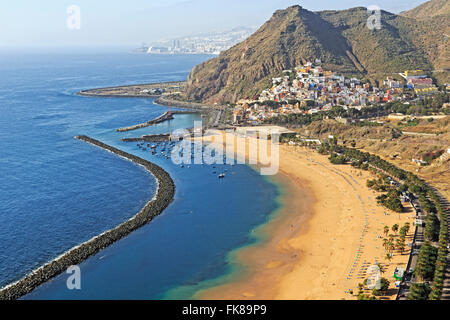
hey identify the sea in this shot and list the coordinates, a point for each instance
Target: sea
(57, 192)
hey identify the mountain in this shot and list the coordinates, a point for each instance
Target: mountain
(429, 9)
(341, 39)
(290, 37)
(388, 50)
(429, 28)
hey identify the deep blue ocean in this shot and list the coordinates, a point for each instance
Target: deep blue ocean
(57, 192)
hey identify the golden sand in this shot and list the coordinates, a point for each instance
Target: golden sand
(319, 245)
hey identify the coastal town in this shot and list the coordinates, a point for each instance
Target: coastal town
(310, 89)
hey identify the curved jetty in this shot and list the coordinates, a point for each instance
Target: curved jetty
(164, 196)
(168, 115)
(164, 117)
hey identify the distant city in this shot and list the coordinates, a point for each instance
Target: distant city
(213, 43)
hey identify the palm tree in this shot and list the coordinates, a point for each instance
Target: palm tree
(402, 232)
(395, 228)
(398, 243)
(407, 227)
(385, 243)
(391, 247)
(388, 257)
(391, 237)
(386, 230)
(402, 247)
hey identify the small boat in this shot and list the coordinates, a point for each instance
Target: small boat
(222, 175)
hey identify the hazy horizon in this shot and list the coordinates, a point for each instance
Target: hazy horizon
(115, 24)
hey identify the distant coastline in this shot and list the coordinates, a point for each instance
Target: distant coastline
(164, 196)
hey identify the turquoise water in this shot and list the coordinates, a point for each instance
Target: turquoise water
(235, 268)
(57, 192)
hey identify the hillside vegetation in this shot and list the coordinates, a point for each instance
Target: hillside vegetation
(428, 9)
(388, 142)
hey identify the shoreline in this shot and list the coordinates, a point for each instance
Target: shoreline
(257, 267)
(328, 226)
(164, 195)
(261, 256)
(257, 236)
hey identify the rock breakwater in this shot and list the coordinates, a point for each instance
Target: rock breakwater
(164, 196)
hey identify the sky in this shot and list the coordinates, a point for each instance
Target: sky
(44, 23)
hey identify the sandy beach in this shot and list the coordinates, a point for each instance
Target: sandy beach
(320, 243)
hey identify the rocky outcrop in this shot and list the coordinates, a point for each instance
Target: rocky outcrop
(164, 196)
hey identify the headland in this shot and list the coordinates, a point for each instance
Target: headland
(150, 90)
